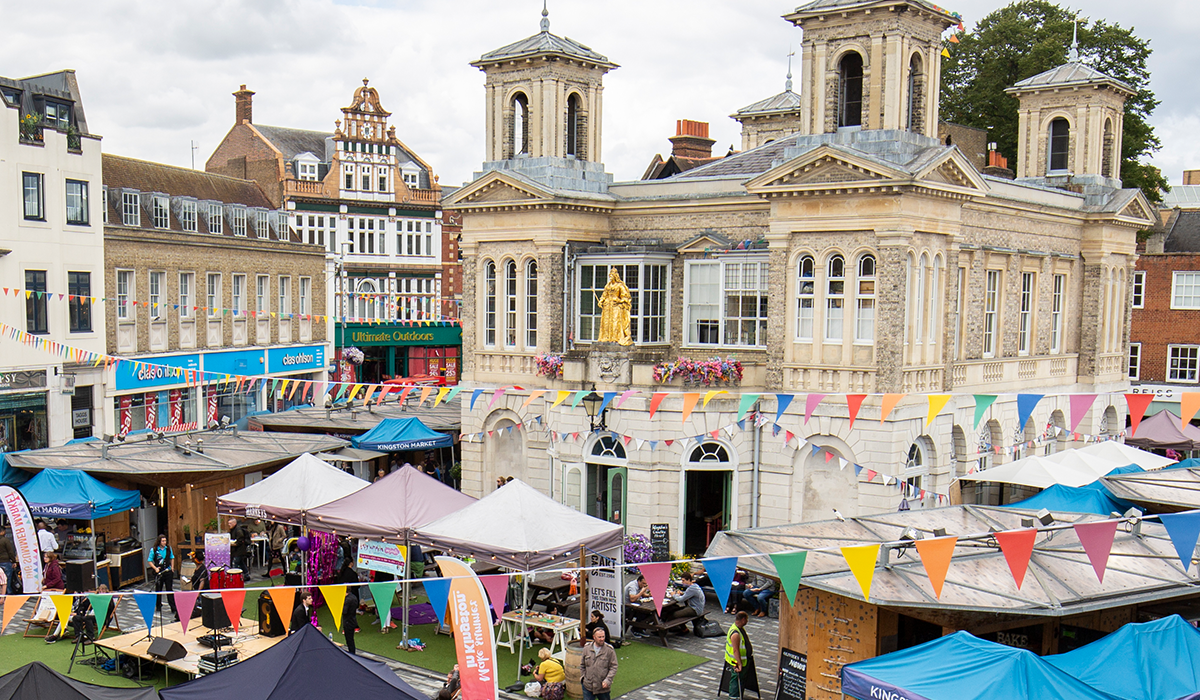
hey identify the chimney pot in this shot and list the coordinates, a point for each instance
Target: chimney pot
(691, 140)
(243, 101)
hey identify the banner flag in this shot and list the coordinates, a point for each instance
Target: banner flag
(1189, 403)
(708, 395)
(625, 395)
(935, 557)
(720, 571)
(1017, 546)
(100, 604)
(185, 605)
(383, 592)
(936, 403)
(607, 398)
(12, 603)
(658, 575)
(810, 403)
(234, 602)
(562, 396)
(1137, 409)
(438, 590)
(1025, 405)
(533, 396)
(497, 592)
(284, 600)
(655, 400)
(982, 403)
(790, 567)
(689, 403)
(854, 402)
(62, 605)
(578, 397)
(1184, 530)
(145, 603)
(441, 396)
(782, 401)
(861, 560)
(427, 390)
(474, 639)
(335, 597)
(453, 392)
(1097, 539)
(496, 394)
(476, 393)
(889, 402)
(24, 536)
(745, 404)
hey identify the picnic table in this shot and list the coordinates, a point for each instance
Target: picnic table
(564, 628)
(643, 616)
(553, 592)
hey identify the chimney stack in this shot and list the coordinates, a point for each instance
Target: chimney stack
(243, 106)
(691, 140)
(1191, 177)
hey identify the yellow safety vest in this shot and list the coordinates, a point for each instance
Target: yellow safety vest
(730, 657)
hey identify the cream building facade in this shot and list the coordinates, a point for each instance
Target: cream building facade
(857, 254)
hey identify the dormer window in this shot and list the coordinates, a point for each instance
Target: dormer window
(1060, 142)
(187, 215)
(160, 207)
(57, 115)
(306, 171)
(131, 210)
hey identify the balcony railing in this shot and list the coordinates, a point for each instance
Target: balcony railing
(292, 186)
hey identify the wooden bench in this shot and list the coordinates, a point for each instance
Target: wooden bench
(664, 627)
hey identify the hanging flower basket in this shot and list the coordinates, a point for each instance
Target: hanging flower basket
(704, 372)
(353, 355)
(549, 365)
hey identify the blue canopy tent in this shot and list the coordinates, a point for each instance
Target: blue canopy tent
(1092, 498)
(70, 493)
(401, 435)
(960, 666)
(1157, 660)
(10, 475)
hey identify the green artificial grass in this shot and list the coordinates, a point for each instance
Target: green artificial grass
(16, 651)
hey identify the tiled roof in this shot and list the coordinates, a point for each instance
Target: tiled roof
(748, 163)
(786, 101)
(544, 43)
(293, 142)
(1073, 73)
(1184, 236)
(145, 176)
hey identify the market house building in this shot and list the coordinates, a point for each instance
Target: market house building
(372, 204)
(857, 254)
(51, 262)
(209, 284)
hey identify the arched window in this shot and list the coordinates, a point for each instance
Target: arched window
(489, 304)
(835, 298)
(916, 468)
(1060, 144)
(520, 124)
(573, 131)
(806, 291)
(531, 307)
(1106, 153)
(935, 298)
(709, 452)
(850, 90)
(608, 446)
(510, 303)
(919, 299)
(864, 326)
(916, 95)
(368, 299)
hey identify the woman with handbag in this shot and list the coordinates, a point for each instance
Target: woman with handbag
(551, 675)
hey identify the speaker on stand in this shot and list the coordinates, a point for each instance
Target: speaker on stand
(166, 649)
(212, 612)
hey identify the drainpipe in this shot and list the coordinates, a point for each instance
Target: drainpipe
(755, 489)
(566, 294)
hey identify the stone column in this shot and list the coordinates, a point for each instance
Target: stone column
(890, 298)
(1090, 304)
(778, 308)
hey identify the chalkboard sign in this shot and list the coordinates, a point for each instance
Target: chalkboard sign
(660, 541)
(792, 683)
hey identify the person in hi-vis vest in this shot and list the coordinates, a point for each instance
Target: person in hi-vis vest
(734, 644)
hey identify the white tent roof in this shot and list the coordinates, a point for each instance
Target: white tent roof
(287, 494)
(1077, 467)
(1123, 454)
(521, 528)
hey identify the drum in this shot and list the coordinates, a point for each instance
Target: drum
(216, 579)
(233, 578)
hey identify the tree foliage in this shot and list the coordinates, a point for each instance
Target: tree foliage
(1032, 36)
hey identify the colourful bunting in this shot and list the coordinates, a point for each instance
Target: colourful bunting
(145, 603)
(935, 556)
(720, 572)
(861, 560)
(185, 606)
(607, 398)
(335, 597)
(1017, 546)
(578, 397)
(533, 396)
(100, 603)
(438, 591)
(810, 403)
(1184, 531)
(744, 405)
(689, 403)
(497, 592)
(234, 600)
(625, 395)
(285, 600)
(1137, 409)
(658, 575)
(446, 390)
(12, 603)
(562, 396)
(936, 403)
(655, 400)
(1025, 405)
(708, 395)
(854, 403)
(62, 605)
(427, 390)
(1189, 403)
(790, 567)
(1097, 539)
(475, 394)
(889, 403)
(982, 403)
(782, 401)
(383, 592)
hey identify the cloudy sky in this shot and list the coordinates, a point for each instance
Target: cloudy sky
(157, 76)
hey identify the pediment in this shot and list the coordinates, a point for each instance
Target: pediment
(704, 243)
(502, 192)
(497, 187)
(823, 166)
(954, 170)
(1137, 209)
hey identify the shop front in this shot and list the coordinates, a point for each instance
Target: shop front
(421, 353)
(23, 418)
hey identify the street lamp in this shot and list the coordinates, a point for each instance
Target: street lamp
(591, 404)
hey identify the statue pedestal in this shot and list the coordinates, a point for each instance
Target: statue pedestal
(610, 363)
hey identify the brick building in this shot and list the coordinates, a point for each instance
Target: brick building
(373, 205)
(857, 254)
(204, 274)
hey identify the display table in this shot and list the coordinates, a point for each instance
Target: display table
(564, 628)
(136, 644)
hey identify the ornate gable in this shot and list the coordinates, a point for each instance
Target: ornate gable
(953, 170)
(497, 186)
(824, 166)
(1137, 209)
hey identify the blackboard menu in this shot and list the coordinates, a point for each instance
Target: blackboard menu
(660, 541)
(792, 683)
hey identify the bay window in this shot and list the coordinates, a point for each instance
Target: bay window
(647, 283)
(726, 302)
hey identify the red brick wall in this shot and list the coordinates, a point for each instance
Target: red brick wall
(243, 153)
(1157, 325)
(452, 284)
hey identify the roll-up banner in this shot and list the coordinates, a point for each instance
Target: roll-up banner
(24, 536)
(471, 621)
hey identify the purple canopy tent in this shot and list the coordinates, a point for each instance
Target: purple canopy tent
(1162, 431)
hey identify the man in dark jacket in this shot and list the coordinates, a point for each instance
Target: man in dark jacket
(302, 614)
(599, 666)
(8, 560)
(239, 547)
(350, 617)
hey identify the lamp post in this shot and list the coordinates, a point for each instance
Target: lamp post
(591, 404)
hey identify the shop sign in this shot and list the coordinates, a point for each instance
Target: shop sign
(81, 418)
(382, 556)
(367, 335)
(154, 371)
(23, 379)
(1161, 392)
(242, 362)
(298, 359)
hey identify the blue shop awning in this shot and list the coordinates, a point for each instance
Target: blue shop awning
(400, 435)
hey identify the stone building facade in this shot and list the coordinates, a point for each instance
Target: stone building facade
(859, 254)
(205, 275)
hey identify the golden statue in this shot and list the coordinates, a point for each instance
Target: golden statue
(615, 305)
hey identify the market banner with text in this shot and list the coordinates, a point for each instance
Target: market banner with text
(24, 536)
(474, 641)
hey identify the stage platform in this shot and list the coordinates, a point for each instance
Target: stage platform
(136, 644)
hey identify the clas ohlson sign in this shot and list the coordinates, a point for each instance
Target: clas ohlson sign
(360, 335)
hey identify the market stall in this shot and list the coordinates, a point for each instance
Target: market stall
(1157, 660)
(1163, 431)
(290, 493)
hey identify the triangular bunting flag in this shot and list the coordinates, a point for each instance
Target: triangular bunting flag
(1184, 530)
(145, 603)
(689, 403)
(861, 561)
(562, 396)
(810, 402)
(185, 605)
(1025, 405)
(853, 403)
(62, 605)
(12, 603)
(233, 601)
(708, 396)
(982, 403)
(495, 395)
(284, 599)
(1189, 403)
(935, 557)
(441, 395)
(889, 403)
(383, 592)
(655, 400)
(335, 596)
(533, 396)
(782, 401)
(1137, 409)
(1097, 539)
(497, 592)
(475, 394)
(658, 575)
(578, 397)
(720, 572)
(936, 403)
(745, 404)
(100, 604)
(790, 567)
(606, 399)
(438, 591)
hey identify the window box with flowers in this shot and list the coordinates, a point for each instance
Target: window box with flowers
(703, 372)
(549, 365)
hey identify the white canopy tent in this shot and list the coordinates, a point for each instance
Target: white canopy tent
(1077, 467)
(287, 495)
(1122, 454)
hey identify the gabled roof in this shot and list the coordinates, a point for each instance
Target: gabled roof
(544, 43)
(1069, 75)
(786, 101)
(145, 176)
(292, 142)
(1184, 235)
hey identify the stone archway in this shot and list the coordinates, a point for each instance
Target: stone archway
(824, 486)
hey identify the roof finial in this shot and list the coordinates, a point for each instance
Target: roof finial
(788, 84)
(545, 17)
(1073, 56)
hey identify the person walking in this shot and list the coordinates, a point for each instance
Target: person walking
(350, 617)
(8, 561)
(735, 643)
(239, 547)
(599, 667)
(46, 539)
(162, 562)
